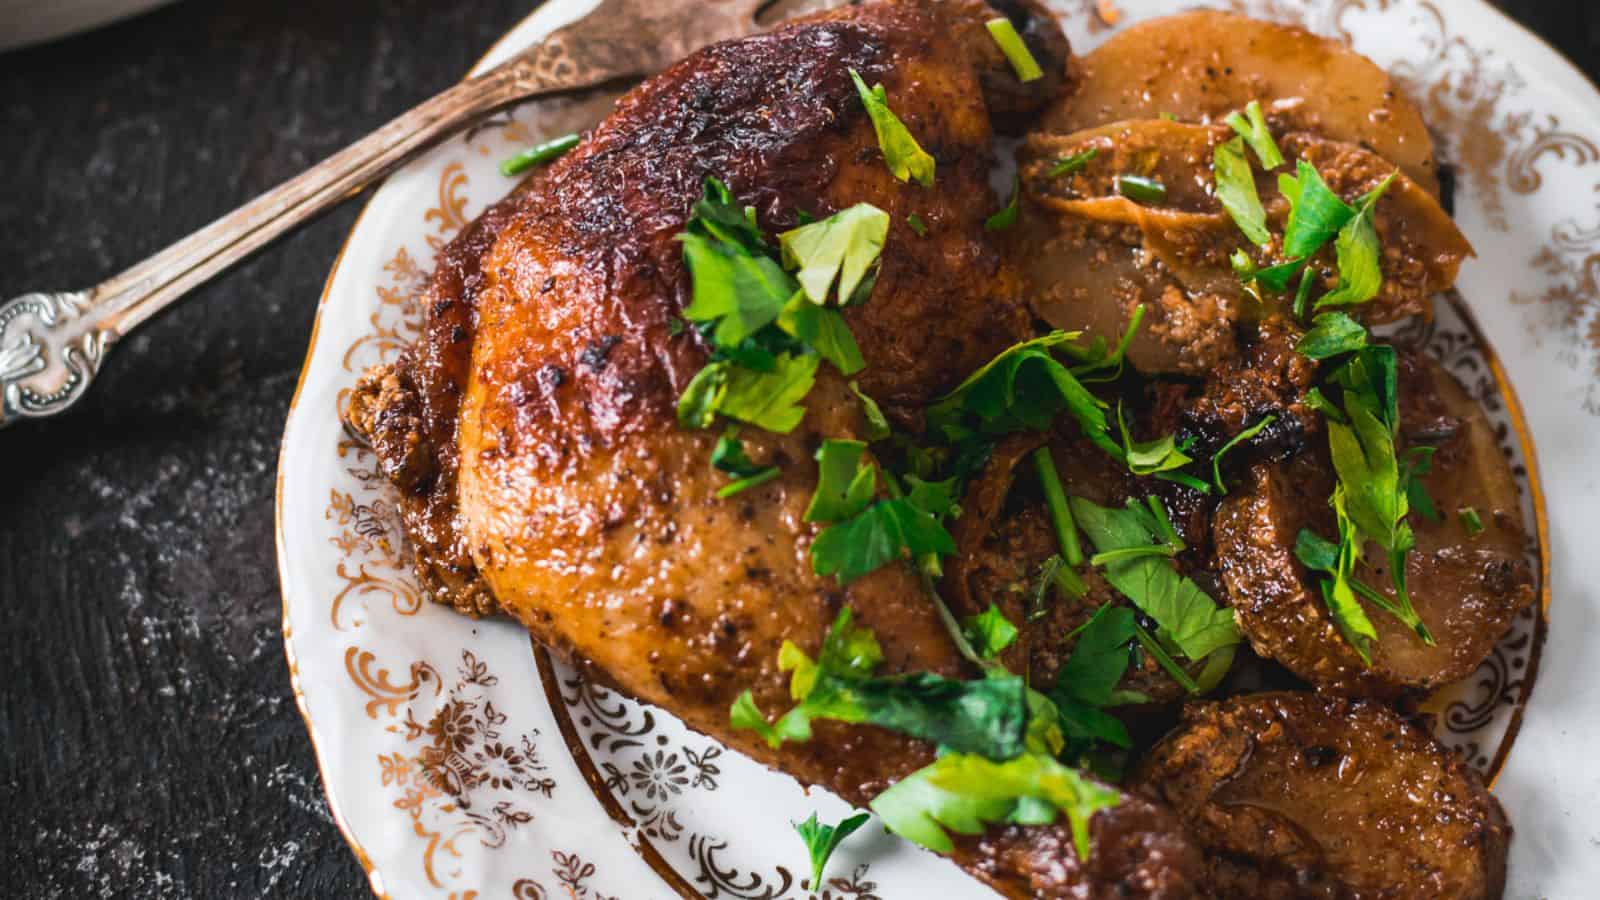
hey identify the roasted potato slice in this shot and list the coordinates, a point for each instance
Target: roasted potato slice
(1093, 255)
(1466, 588)
(1301, 795)
(1199, 66)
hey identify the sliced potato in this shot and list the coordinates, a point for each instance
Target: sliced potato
(1200, 66)
(1299, 795)
(1466, 588)
(1093, 255)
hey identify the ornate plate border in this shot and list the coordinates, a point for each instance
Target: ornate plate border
(362, 528)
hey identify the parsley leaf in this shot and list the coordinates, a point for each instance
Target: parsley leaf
(1470, 521)
(1017, 52)
(770, 400)
(538, 155)
(1187, 617)
(1087, 681)
(1236, 190)
(1252, 127)
(965, 792)
(728, 456)
(822, 840)
(738, 291)
(1332, 334)
(986, 716)
(1007, 216)
(1022, 389)
(844, 484)
(878, 535)
(916, 224)
(990, 632)
(1074, 163)
(1360, 277)
(1140, 189)
(1150, 457)
(901, 152)
(823, 330)
(843, 249)
(877, 425)
(1316, 213)
(1338, 560)
(1241, 437)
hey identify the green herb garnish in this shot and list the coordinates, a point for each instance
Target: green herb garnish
(1236, 440)
(843, 248)
(901, 152)
(1074, 163)
(877, 425)
(1236, 190)
(1332, 334)
(990, 632)
(538, 155)
(1189, 620)
(823, 330)
(1360, 277)
(917, 225)
(1007, 216)
(1470, 521)
(1150, 457)
(964, 793)
(1055, 500)
(1316, 213)
(1017, 52)
(986, 716)
(1252, 127)
(822, 840)
(1141, 189)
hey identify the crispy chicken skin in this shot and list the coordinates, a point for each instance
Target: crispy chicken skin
(533, 428)
(1298, 796)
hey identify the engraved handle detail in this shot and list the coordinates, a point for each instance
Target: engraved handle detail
(49, 351)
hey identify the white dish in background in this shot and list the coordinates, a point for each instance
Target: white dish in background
(457, 759)
(24, 22)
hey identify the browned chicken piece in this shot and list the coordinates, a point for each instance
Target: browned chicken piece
(1299, 796)
(593, 517)
(1465, 587)
(1200, 66)
(1093, 255)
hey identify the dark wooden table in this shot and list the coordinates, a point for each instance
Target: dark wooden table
(149, 745)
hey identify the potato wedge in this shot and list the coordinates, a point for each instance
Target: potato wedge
(1466, 588)
(1199, 66)
(1093, 255)
(1300, 795)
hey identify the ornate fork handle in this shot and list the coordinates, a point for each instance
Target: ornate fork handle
(52, 344)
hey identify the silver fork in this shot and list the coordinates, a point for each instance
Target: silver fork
(52, 344)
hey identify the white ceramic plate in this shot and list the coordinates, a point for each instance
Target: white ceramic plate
(460, 762)
(24, 22)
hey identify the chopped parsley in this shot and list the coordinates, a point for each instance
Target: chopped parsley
(1007, 216)
(901, 152)
(1074, 163)
(770, 400)
(1360, 277)
(1150, 457)
(1055, 501)
(822, 840)
(1252, 127)
(1236, 440)
(842, 249)
(538, 155)
(1470, 521)
(990, 632)
(986, 716)
(965, 792)
(1087, 682)
(1332, 334)
(1189, 621)
(916, 224)
(728, 456)
(866, 534)
(1236, 190)
(1316, 213)
(1141, 189)
(1017, 52)
(877, 425)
